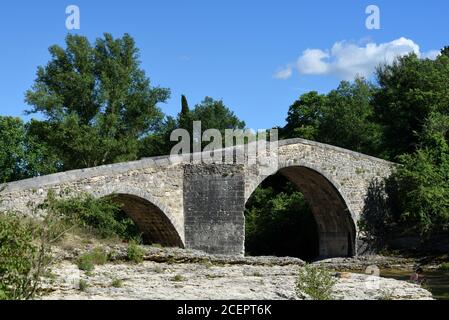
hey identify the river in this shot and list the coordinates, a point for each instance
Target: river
(437, 281)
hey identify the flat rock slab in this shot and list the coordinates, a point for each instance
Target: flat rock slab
(204, 281)
(362, 262)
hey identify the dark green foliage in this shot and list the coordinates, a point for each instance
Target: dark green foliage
(444, 266)
(85, 264)
(344, 118)
(348, 121)
(101, 216)
(184, 105)
(177, 278)
(135, 252)
(22, 155)
(185, 111)
(89, 260)
(404, 117)
(422, 193)
(12, 151)
(183, 120)
(159, 143)
(25, 255)
(83, 285)
(409, 91)
(416, 201)
(315, 283)
(305, 116)
(117, 283)
(213, 114)
(279, 221)
(17, 257)
(96, 100)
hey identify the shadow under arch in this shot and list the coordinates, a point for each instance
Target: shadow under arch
(151, 219)
(334, 219)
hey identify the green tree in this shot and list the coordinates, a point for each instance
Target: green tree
(422, 194)
(343, 117)
(12, 150)
(184, 117)
(305, 116)
(410, 90)
(22, 155)
(185, 112)
(213, 114)
(348, 121)
(158, 143)
(25, 253)
(96, 100)
(98, 217)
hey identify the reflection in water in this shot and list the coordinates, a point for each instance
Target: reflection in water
(437, 282)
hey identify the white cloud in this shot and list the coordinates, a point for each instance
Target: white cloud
(284, 73)
(432, 54)
(312, 62)
(346, 60)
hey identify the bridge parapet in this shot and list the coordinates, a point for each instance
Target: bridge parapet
(176, 191)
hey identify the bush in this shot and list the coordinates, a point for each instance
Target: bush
(101, 216)
(117, 283)
(24, 256)
(88, 261)
(385, 295)
(444, 266)
(135, 252)
(315, 282)
(422, 181)
(85, 263)
(178, 278)
(83, 285)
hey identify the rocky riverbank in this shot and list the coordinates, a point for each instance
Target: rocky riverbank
(188, 274)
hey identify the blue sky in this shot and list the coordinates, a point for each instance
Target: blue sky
(258, 56)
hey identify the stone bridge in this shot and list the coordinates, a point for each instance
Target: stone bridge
(180, 202)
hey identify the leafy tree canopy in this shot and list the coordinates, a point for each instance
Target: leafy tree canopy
(96, 100)
(22, 155)
(409, 91)
(213, 114)
(343, 117)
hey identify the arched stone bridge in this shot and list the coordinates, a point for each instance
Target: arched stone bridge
(176, 202)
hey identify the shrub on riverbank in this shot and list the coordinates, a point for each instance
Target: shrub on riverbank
(89, 260)
(444, 266)
(315, 282)
(25, 255)
(135, 253)
(101, 217)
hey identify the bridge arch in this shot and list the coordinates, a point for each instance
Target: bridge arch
(334, 218)
(151, 217)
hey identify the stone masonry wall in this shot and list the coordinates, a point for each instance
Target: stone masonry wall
(159, 184)
(205, 203)
(351, 173)
(214, 208)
